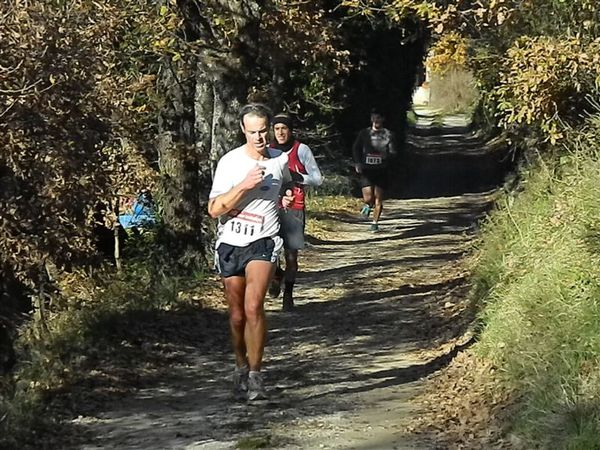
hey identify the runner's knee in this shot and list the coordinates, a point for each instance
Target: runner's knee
(236, 317)
(254, 311)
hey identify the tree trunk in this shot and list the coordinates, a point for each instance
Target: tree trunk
(200, 123)
(117, 236)
(178, 163)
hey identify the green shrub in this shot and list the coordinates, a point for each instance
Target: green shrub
(538, 282)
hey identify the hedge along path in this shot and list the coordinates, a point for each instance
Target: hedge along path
(375, 315)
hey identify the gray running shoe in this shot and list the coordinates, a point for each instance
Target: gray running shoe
(374, 227)
(256, 388)
(240, 382)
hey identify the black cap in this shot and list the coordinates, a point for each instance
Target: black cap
(284, 119)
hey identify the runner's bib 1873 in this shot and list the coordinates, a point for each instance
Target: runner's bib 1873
(374, 159)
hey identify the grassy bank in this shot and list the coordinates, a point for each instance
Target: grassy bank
(537, 281)
(453, 92)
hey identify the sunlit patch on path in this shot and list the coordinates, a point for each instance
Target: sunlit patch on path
(376, 313)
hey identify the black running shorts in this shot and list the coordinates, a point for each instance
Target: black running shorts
(231, 261)
(374, 177)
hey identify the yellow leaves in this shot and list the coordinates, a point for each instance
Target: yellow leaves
(398, 10)
(80, 63)
(540, 77)
(449, 52)
(163, 44)
(302, 32)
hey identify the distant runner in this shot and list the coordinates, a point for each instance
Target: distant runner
(305, 172)
(372, 151)
(245, 196)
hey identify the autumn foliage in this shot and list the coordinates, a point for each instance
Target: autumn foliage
(67, 143)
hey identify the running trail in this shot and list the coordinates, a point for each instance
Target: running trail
(376, 314)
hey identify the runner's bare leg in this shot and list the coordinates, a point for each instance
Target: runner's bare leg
(258, 275)
(235, 288)
(368, 195)
(378, 204)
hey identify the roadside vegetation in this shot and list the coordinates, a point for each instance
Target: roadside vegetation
(100, 99)
(454, 92)
(94, 324)
(531, 380)
(537, 283)
(452, 85)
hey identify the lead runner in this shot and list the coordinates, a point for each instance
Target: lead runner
(245, 195)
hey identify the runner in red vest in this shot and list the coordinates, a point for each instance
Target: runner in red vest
(305, 172)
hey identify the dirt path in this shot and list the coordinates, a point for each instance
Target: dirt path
(376, 313)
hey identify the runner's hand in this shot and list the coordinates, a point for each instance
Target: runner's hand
(287, 199)
(358, 168)
(254, 178)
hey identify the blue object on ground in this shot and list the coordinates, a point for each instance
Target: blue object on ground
(142, 214)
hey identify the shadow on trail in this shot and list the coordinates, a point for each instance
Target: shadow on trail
(350, 271)
(449, 161)
(395, 376)
(412, 222)
(367, 305)
(169, 372)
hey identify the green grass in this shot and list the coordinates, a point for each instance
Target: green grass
(334, 184)
(537, 281)
(411, 118)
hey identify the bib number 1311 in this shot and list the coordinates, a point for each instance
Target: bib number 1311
(247, 229)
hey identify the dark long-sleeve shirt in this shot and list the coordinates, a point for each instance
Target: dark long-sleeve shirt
(373, 148)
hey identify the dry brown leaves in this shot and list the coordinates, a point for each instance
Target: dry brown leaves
(465, 407)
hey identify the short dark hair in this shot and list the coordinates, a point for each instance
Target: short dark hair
(255, 109)
(377, 111)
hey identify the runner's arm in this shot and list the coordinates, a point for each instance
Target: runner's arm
(286, 187)
(314, 176)
(357, 149)
(287, 182)
(357, 152)
(223, 203)
(392, 148)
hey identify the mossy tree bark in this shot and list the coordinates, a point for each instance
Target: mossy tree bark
(199, 123)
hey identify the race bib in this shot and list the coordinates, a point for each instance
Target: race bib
(374, 159)
(245, 223)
